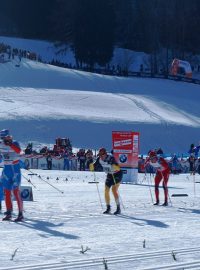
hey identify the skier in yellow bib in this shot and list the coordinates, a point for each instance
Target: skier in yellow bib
(107, 163)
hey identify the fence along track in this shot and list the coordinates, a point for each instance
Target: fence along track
(163, 76)
(79, 264)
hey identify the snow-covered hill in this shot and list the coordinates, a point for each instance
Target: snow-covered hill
(39, 102)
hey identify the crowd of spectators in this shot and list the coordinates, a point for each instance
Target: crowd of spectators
(82, 158)
(63, 150)
(13, 53)
(7, 53)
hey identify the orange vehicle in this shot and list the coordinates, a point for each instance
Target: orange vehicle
(181, 68)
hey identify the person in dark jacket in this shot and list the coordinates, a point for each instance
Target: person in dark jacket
(81, 158)
(113, 177)
(49, 162)
(89, 158)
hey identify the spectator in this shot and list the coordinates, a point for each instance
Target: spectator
(175, 163)
(74, 162)
(89, 158)
(159, 151)
(49, 162)
(191, 161)
(66, 161)
(44, 150)
(198, 165)
(193, 151)
(28, 149)
(141, 162)
(81, 158)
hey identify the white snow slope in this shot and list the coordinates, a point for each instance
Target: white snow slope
(59, 226)
(40, 102)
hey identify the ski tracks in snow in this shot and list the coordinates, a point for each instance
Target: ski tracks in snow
(120, 261)
(140, 104)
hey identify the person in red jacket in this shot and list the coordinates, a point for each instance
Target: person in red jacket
(11, 174)
(162, 173)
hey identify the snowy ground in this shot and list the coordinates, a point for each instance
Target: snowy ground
(59, 225)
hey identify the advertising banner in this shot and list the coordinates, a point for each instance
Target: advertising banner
(26, 193)
(125, 145)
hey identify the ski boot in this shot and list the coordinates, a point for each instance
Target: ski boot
(19, 218)
(165, 203)
(156, 203)
(8, 216)
(8, 212)
(118, 210)
(108, 210)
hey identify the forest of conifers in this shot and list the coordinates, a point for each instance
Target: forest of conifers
(94, 27)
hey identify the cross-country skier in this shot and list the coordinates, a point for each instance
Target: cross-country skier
(193, 151)
(1, 195)
(113, 179)
(1, 189)
(162, 173)
(11, 175)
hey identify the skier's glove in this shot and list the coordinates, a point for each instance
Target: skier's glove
(91, 167)
(7, 142)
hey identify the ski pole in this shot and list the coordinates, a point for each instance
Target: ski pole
(150, 178)
(169, 197)
(48, 183)
(149, 182)
(28, 180)
(98, 191)
(118, 191)
(194, 180)
(144, 178)
(194, 184)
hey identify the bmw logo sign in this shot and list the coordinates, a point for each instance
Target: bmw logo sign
(25, 194)
(123, 158)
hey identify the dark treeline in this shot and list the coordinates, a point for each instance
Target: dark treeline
(94, 27)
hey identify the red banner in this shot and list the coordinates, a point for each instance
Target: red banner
(125, 145)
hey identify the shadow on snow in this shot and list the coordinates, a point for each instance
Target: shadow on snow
(149, 222)
(47, 228)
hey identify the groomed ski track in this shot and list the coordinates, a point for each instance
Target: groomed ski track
(121, 259)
